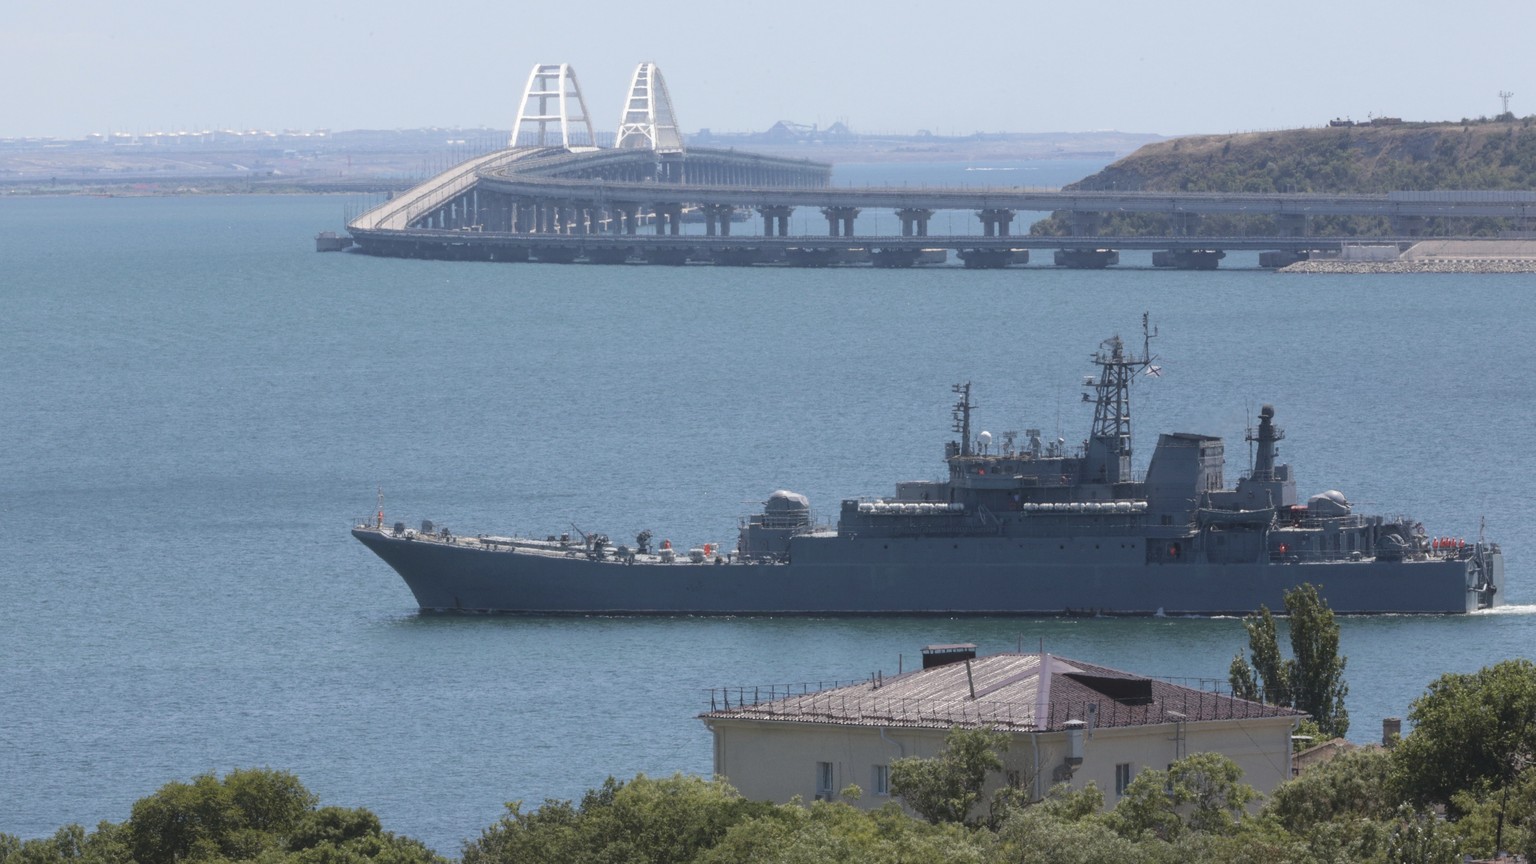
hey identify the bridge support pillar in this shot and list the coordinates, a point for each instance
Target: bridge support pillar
(777, 214)
(1086, 259)
(992, 259)
(995, 221)
(1188, 259)
(1282, 258)
(717, 219)
(914, 221)
(626, 219)
(840, 217)
(669, 219)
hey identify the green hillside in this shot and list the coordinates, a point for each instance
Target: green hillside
(1499, 154)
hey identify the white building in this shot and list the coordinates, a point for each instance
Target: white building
(1070, 722)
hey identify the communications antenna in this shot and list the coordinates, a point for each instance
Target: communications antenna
(1504, 97)
(962, 416)
(1109, 447)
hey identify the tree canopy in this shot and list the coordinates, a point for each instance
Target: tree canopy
(1472, 733)
(248, 815)
(1470, 749)
(948, 787)
(1312, 679)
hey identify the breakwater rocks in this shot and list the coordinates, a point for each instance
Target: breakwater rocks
(1433, 265)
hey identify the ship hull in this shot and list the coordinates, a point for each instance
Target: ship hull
(832, 575)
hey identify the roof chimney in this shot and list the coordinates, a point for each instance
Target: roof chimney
(943, 655)
(1391, 730)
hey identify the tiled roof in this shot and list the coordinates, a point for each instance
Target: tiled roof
(1004, 691)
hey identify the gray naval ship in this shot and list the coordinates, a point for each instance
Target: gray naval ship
(1033, 529)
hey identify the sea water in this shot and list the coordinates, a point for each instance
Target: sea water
(195, 407)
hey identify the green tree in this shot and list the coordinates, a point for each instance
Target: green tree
(947, 787)
(1474, 733)
(1048, 834)
(1352, 785)
(639, 821)
(1312, 680)
(1148, 809)
(1211, 784)
(838, 833)
(342, 835)
(1072, 805)
(238, 817)
(1203, 792)
(1418, 838)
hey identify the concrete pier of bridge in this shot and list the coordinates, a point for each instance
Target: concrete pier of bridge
(995, 221)
(717, 219)
(840, 217)
(914, 221)
(776, 217)
(1086, 259)
(1188, 259)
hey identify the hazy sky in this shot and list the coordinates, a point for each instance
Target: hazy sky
(71, 68)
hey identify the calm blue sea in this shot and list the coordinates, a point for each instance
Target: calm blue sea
(194, 407)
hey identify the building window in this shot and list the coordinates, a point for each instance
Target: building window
(882, 780)
(1122, 778)
(824, 781)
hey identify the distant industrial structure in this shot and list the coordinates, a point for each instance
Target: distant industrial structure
(554, 195)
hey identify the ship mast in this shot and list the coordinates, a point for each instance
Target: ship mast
(1269, 433)
(962, 416)
(1109, 445)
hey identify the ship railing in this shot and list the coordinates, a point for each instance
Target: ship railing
(1353, 520)
(863, 707)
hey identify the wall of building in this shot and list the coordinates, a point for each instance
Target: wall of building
(778, 761)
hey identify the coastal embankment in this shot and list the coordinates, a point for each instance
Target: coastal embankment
(1435, 256)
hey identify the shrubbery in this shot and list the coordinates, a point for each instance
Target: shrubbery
(1470, 752)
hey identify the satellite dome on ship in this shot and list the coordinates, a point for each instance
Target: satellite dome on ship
(784, 499)
(1330, 503)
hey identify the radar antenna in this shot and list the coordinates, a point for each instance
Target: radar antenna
(962, 416)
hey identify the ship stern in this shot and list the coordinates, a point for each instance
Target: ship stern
(1485, 578)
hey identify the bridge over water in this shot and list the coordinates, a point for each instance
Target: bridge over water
(553, 195)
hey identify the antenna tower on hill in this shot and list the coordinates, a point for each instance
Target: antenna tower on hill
(1504, 96)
